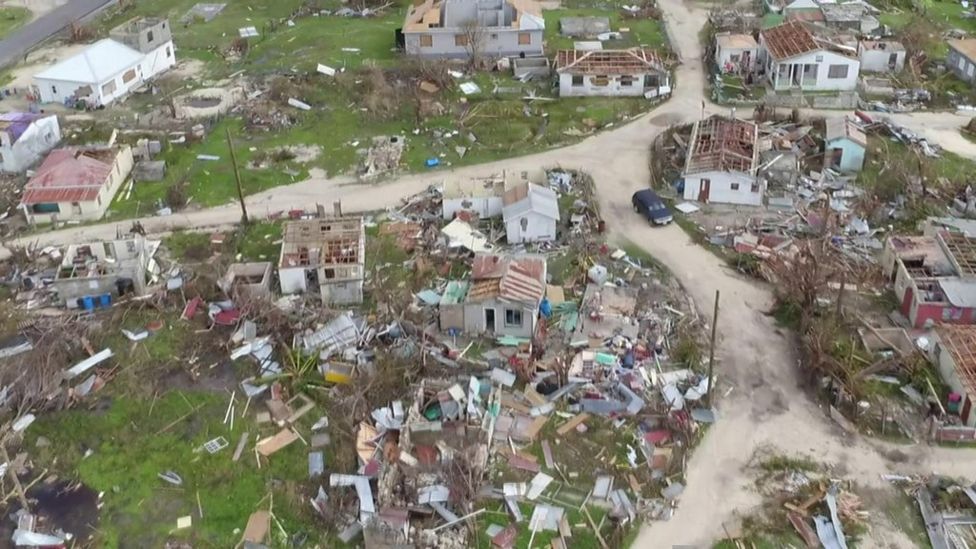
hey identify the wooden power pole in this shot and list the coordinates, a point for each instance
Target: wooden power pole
(237, 178)
(711, 352)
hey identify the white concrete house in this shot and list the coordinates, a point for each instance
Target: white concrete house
(530, 213)
(25, 138)
(722, 161)
(100, 74)
(456, 29)
(735, 53)
(881, 55)
(632, 72)
(795, 60)
(76, 184)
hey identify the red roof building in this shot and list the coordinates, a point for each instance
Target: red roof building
(76, 184)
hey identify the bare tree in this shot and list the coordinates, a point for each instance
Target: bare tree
(473, 35)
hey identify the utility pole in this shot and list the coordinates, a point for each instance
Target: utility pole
(711, 352)
(237, 178)
(840, 296)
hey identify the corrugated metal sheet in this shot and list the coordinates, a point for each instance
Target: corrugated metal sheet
(789, 40)
(520, 285)
(67, 175)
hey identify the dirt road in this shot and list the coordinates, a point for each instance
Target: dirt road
(766, 406)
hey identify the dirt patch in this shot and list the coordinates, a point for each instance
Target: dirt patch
(303, 153)
(207, 102)
(186, 69)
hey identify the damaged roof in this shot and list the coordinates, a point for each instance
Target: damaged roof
(842, 127)
(16, 123)
(965, 46)
(960, 342)
(512, 278)
(723, 145)
(607, 62)
(789, 40)
(70, 175)
(528, 197)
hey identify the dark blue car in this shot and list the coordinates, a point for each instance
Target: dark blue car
(649, 204)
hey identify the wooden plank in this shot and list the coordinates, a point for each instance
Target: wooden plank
(257, 527)
(547, 453)
(272, 444)
(804, 529)
(240, 446)
(572, 423)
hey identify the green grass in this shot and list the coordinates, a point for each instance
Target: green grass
(503, 125)
(643, 31)
(259, 241)
(12, 18)
(886, 159)
(140, 509)
(187, 245)
(902, 511)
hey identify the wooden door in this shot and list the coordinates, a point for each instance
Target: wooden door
(704, 186)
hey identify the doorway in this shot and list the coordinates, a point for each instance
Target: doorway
(704, 186)
(489, 320)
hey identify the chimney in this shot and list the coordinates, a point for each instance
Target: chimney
(337, 208)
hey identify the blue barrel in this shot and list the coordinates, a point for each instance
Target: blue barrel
(105, 300)
(88, 303)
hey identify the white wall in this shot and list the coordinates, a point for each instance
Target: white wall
(822, 82)
(34, 143)
(484, 206)
(158, 60)
(537, 228)
(720, 188)
(614, 87)
(56, 91)
(92, 210)
(877, 60)
(292, 280)
(723, 56)
(496, 42)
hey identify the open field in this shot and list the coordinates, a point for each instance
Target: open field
(11, 18)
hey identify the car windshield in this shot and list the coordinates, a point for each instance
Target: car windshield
(657, 206)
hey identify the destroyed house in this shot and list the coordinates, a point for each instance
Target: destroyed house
(721, 162)
(795, 59)
(95, 274)
(478, 197)
(76, 184)
(961, 59)
(613, 73)
(844, 145)
(250, 279)
(458, 28)
(934, 278)
(955, 357)
(852, 16)
(25, 138)
(324, 256)
(504, 295)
